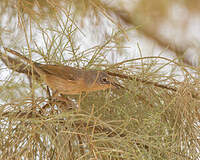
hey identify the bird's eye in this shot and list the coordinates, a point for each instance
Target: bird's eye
(105, 80)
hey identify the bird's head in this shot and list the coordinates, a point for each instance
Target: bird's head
(99, 80)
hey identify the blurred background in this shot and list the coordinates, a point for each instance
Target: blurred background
(158, 27)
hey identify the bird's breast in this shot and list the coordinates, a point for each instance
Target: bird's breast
(65, 86)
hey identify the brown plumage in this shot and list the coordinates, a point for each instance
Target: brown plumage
(69, 80)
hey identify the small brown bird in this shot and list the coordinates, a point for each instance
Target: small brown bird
(70, 80)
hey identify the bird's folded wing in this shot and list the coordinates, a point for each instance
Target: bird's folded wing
(64, 72)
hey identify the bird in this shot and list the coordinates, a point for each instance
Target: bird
(63, 79)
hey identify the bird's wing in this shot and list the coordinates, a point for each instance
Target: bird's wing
(64, 72)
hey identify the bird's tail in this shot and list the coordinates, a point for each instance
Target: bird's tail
(36, 65)
(19, 55)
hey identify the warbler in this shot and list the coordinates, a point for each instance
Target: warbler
(70, 80)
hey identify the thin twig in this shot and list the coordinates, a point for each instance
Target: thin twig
(141, 80)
